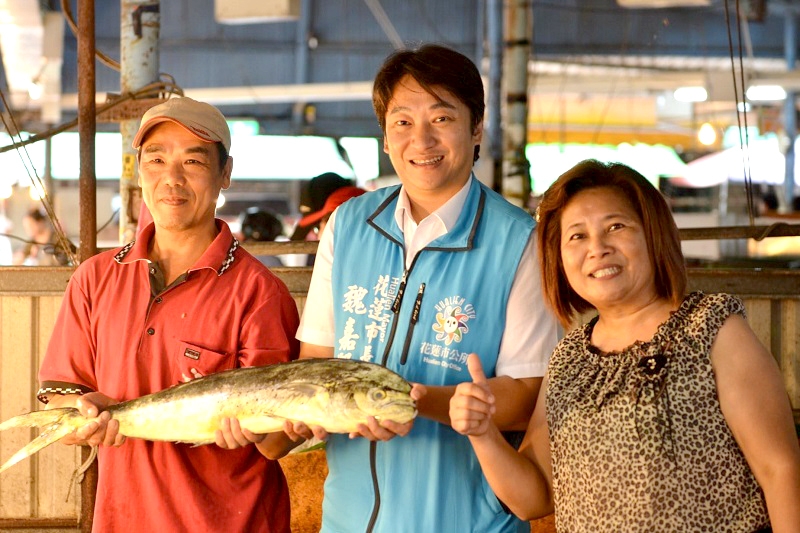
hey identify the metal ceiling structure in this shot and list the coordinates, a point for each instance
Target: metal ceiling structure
(601, 66)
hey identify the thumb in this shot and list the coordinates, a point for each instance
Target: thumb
(476, 369)
(86, 407)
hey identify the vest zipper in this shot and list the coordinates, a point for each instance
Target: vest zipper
(398, 301)
(414, 319)
(373, 448)
(373, 452)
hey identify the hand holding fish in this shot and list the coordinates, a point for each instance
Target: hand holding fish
(101, 429)
(299, 431)
(472, 404)
(232, 435)
(384, 430)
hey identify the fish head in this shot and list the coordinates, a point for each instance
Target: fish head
(385, 402)
(348, 392)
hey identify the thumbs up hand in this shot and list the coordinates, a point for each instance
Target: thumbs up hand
(472, 404)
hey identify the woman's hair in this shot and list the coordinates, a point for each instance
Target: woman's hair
(433, 66)
(660, 232)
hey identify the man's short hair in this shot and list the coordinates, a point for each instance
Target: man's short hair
(432, 66)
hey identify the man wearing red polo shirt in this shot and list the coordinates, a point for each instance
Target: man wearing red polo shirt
(182, 300)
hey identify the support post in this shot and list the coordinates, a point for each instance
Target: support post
(789, 108)
(494, 32)
(87, 126)
(516, 169)
(301, 48)
(140, 25)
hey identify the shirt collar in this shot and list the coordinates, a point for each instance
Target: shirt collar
(447, 213)
(219, 256)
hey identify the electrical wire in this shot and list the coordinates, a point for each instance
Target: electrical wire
(164, 88)
(744, 139)
(101, 56)
(161, 89)
(109, 221)
(104, 59)
(51, 245)
(36, 181)
(49, 248)
(748, 178)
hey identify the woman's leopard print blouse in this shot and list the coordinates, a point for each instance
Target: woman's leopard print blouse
(638, 439)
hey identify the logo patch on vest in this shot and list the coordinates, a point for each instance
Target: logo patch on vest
(452, 316)
(191, 354)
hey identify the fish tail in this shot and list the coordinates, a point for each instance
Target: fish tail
(53, 423)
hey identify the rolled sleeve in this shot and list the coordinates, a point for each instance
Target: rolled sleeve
(316, 323)
(531, 331)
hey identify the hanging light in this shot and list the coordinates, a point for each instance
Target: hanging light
(36, 192)
(220, 200)
(35, 90)
(765, 93)
(690, 94)
(707, 135)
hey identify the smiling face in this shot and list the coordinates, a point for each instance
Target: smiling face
(604, 251)
(430, 141)
(181, 178)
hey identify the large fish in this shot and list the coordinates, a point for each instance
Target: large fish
(337, 394)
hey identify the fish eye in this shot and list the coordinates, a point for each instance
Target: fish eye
(378, 394)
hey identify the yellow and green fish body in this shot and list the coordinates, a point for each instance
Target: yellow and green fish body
(336, 394)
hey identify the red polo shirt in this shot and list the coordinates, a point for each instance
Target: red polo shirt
(111, 336)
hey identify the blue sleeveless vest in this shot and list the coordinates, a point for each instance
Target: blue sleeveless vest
(421, 323)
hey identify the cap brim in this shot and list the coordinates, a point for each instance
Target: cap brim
(147, 126)
(313, 218)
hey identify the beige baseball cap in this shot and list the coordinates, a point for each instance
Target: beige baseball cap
(203, 120)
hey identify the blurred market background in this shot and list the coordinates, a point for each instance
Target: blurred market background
(699, 95)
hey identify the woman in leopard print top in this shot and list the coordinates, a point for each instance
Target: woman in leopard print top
(665, 412)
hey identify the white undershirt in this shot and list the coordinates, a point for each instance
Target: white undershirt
(530, 333)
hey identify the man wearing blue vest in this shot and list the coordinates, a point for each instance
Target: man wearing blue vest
(416, 277)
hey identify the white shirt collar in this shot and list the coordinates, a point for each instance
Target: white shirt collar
(447, 213)
(416, 237)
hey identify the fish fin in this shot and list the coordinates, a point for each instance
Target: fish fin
(309, 446)
(36, 419)
(54, 424)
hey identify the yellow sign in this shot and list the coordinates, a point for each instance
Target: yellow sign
(128, 167)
